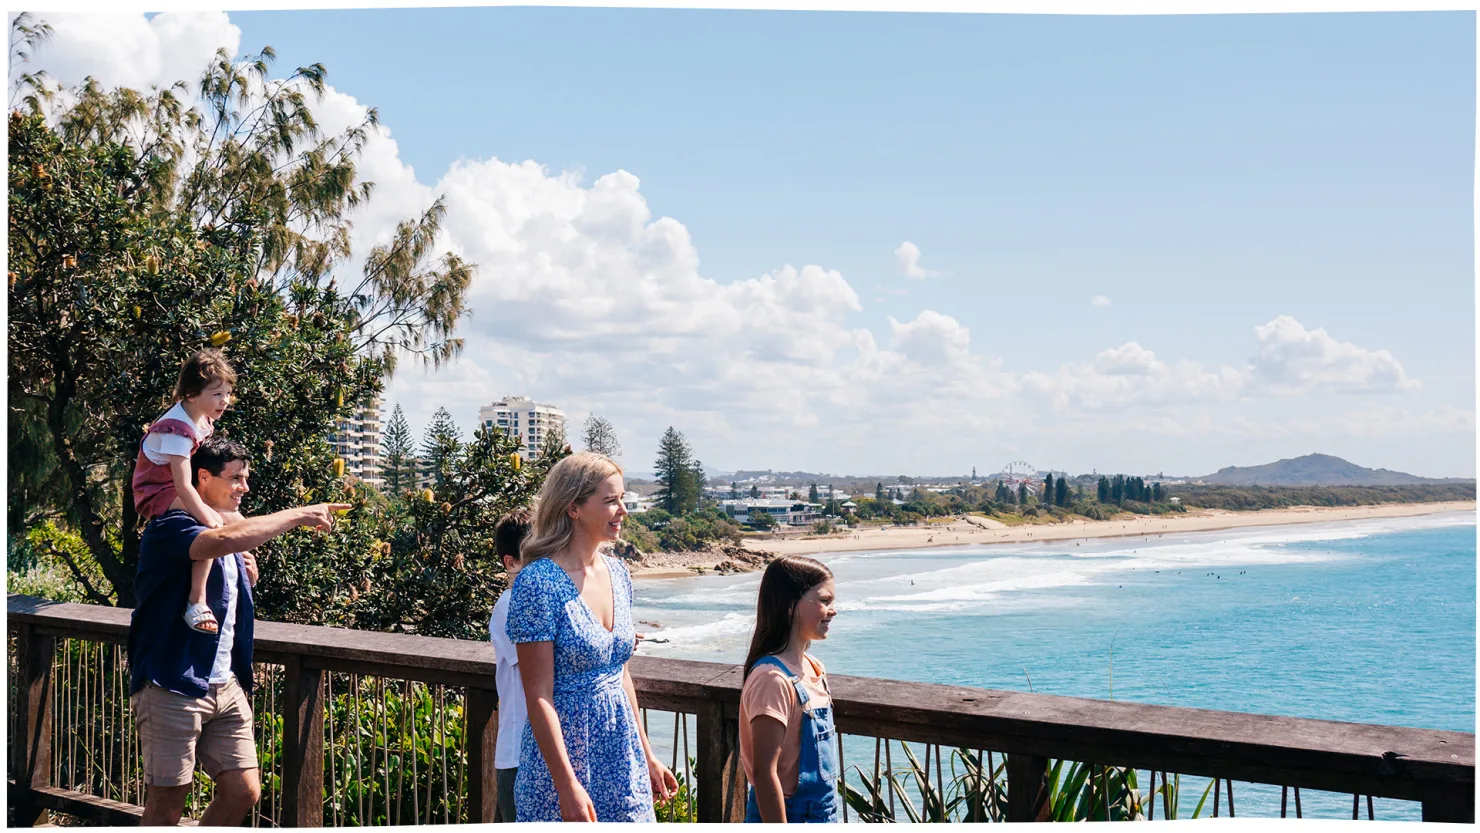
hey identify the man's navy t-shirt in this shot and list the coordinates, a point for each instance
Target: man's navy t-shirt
(162, 649)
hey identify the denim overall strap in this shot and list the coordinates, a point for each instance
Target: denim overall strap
(816, 797)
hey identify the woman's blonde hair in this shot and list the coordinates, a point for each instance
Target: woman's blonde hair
(569, 482)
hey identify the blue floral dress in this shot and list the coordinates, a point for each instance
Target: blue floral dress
(596, 718)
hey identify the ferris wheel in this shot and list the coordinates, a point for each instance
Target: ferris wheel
(1017, 472)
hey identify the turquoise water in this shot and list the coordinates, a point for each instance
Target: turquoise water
(1367, 621)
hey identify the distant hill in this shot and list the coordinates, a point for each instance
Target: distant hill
(1316, 470)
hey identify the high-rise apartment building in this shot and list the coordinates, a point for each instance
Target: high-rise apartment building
(357, 439)
(531, 421)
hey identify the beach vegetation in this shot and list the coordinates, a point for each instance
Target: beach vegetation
(1252, 498)
(657, 530)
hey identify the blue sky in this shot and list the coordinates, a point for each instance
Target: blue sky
(1206, 174)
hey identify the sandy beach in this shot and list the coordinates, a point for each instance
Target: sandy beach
(978, 529)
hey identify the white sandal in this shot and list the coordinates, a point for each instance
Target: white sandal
(201, 620)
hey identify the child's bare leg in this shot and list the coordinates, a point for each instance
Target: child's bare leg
(199, 572)
(197, 613)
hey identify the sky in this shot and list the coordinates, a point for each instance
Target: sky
(869, 243)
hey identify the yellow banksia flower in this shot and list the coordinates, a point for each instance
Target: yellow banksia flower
(138, 311)
(515, 461)
(338, 466)
(446, 507)
(426, 495)
(220, 337)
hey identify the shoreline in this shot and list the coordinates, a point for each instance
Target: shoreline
(979, 529)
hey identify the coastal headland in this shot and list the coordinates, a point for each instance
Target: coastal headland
(966, 530)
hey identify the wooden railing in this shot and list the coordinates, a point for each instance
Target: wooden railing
(1434, 768)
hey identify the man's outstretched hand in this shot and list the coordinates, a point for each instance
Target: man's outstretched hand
(320, 516)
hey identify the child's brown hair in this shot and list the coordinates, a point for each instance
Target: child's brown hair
(200, 371)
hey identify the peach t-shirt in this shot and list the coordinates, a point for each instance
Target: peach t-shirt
(768, 691)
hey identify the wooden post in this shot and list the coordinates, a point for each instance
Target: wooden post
(721, 783)
(1027, 787)
(32, 768)
(482, 739)
(1453, 803)
(303, 745)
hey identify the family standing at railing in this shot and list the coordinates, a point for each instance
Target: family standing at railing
(571, 744)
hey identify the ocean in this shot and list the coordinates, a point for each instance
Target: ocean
(1367, 621)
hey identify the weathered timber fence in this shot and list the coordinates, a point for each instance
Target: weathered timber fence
(319, 742)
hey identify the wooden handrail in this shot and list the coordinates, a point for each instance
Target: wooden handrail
(1434, 767)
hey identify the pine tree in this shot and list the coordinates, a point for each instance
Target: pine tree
(1061, 492)
(440, 445)
(674, 467)
(1102, 489)
(1022, 494)
(879, 491)
(1047, 497)
(599, 436)
(398, 466)
(812, 494)
(698, 480)
(1156, 493)
(755, 492)
(734, 490)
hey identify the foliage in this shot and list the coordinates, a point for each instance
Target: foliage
(422, 562)
(975, 790)
(692, 531)
(678, 485)
(683, 806)
(51, 562)
(598, 435)
(1247, 498)
(143, 228)
(397, 456)
(439, 445)
(761, 521)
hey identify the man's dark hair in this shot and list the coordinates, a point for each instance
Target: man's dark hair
(510, 532)
(214, 455)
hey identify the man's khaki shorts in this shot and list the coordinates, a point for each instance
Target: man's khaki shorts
(175, 731)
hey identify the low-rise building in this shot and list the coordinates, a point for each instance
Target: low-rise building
(781, 512)
(635, 502)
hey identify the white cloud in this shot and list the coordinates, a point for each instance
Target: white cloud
(130, 50)
(931, 338)
(1131, 375)
(1099, 301)
(1291, 360)
(908, 258)
(1294, 359)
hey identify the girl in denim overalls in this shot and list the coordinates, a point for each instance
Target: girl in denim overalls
(788, 746)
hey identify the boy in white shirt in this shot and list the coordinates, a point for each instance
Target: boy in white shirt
(507, 537)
